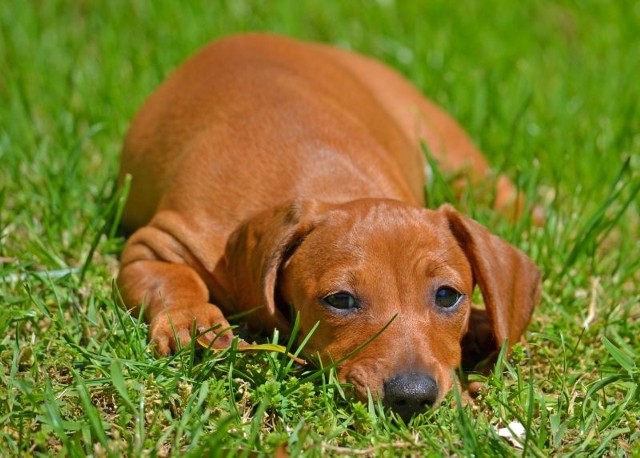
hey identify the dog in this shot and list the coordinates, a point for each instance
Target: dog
(279, 177)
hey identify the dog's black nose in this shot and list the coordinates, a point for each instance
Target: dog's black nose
(408, 394)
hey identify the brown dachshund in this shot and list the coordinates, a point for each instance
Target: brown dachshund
(281, 177)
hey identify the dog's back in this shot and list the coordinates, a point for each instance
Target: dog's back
(269, 106)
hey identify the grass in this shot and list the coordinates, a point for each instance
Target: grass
(547, 89)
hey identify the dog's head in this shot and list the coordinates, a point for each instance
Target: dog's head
(386, 270)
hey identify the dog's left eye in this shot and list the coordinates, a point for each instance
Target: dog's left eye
(447, 297)
(341, 301)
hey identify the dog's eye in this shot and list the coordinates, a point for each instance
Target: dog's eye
(340, 301)
(447, 297)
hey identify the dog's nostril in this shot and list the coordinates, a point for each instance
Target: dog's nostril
(408, 394)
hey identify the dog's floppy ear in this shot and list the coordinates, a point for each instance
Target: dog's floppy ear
(508, 279)
(257, 249)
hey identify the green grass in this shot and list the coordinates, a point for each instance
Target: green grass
(550, 92)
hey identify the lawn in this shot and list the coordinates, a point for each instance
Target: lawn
(549, 90)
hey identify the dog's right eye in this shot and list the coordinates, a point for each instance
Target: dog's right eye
(341, 301)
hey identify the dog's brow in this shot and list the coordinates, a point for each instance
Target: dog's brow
(441, 261)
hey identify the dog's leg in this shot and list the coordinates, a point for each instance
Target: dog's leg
(156, 279)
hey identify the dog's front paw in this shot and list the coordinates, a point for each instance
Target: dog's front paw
(173, 328)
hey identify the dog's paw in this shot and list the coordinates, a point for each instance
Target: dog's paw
(172, 329)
